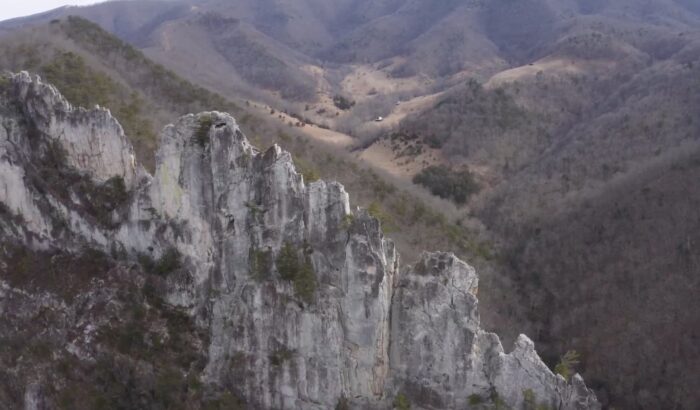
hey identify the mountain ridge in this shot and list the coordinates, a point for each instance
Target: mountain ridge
(289, 255)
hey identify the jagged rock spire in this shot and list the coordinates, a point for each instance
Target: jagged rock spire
(303, 300)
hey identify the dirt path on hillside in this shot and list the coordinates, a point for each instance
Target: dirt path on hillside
(379, 156)
(334, 138)
(360, 84)
(382, 156)
(410, 107)
(365, 81)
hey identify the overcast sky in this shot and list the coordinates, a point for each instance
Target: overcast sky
(18, 8)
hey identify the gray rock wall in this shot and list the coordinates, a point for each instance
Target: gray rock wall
(303, 298)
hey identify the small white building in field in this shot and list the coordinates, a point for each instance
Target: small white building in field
(379, 119)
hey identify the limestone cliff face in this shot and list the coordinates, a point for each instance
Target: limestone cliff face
(441, 356)
(94, 140)
(303, 300)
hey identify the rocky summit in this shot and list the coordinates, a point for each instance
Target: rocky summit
(264, 291)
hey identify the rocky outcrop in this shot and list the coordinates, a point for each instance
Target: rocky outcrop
(92, 139)
(303, 299)
(47, 147)
(441, 358)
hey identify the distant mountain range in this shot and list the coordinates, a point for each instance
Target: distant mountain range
(437, 39)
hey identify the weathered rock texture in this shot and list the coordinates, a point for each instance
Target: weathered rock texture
(303, 300)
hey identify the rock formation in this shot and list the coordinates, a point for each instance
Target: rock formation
(304, 302)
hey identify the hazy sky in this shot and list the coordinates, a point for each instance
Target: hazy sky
(17, 8)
